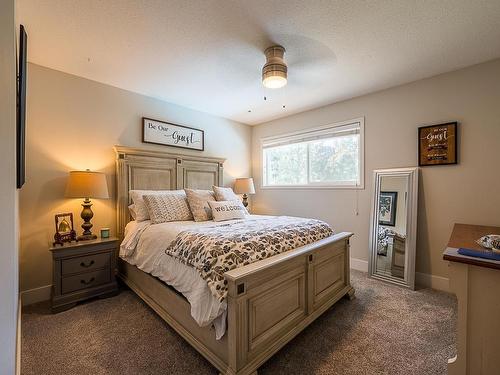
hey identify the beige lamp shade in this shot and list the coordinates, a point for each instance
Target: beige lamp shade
(244, 186)
(87, 184)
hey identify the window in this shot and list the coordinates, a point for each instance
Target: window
(330, 156)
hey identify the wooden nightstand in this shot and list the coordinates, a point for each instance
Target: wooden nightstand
(82, 270)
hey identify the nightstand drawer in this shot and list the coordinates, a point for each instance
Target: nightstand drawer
(86, 263)
(85, 280)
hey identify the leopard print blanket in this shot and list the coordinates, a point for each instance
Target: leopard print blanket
(214, 250)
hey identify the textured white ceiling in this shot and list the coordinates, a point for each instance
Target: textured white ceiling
(208, 55)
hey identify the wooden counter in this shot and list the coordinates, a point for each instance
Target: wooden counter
(476, 283)
(465, 236)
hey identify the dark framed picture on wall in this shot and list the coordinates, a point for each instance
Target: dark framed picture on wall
(165, 133)
(437, 144)
(387, 208)
(21, 109)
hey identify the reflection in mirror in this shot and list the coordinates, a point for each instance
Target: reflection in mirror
(394, 226)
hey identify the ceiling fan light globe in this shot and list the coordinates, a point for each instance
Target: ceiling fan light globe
(274, 82)
(275, 71)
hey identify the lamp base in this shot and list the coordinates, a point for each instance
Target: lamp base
(87, 215)
(245, 200)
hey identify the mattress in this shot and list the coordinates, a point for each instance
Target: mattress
(144, 246)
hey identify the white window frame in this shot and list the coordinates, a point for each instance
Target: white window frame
(327, 185)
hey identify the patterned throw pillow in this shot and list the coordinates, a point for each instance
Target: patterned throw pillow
(198, 203)
(228, 210)
(141, 211)
(167, 207)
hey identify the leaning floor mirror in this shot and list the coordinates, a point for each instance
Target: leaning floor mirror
(393, 229)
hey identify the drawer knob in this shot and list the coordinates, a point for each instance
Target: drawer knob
(88, 282)
(87, 265)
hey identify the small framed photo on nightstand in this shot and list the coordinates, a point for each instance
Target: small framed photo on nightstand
(64, 229)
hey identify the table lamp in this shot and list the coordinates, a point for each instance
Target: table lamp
(244, 186)
(87, 184)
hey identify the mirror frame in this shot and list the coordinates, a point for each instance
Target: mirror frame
(411, 225)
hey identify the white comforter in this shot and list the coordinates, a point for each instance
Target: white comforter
(144, 246)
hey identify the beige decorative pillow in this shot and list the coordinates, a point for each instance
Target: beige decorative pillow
(224, 194)
(198, 203)
(164, 208)
(141, 211)
(228, 210)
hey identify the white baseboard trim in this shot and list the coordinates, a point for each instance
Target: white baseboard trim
(432, 281)
(422, 279)
(359, 264)
(30, 296)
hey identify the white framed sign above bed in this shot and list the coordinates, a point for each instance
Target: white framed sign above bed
(168, 134)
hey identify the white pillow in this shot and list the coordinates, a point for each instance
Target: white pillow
(163, 208)
(131, 210)
(227, 210)
(141, 210)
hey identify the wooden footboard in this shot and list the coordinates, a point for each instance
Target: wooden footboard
(269, 302)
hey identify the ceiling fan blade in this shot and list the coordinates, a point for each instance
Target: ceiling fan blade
(301, 49)
(310, 74)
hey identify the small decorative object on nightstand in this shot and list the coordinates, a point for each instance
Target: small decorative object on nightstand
(104, 232)
(495, 246)
(83, 270)
(244, 186)
(64, 229)
(87, 184)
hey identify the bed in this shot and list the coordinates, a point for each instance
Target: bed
(268, 302)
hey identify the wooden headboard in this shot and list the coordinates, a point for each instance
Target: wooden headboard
(156, 170)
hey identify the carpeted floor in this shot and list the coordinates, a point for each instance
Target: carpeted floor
(385, 330)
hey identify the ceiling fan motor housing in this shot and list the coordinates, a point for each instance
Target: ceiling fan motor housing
(275, 64)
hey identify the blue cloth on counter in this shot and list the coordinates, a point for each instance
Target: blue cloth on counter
(479, 253)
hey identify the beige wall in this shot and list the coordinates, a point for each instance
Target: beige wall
(73, 123)
(468, 192)
(8, 195)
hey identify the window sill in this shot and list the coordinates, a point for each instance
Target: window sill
(313, 187)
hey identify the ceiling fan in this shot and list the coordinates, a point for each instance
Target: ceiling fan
(248, 64)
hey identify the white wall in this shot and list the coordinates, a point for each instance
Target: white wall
(73, 123)
(463, 193)
(8, 193)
